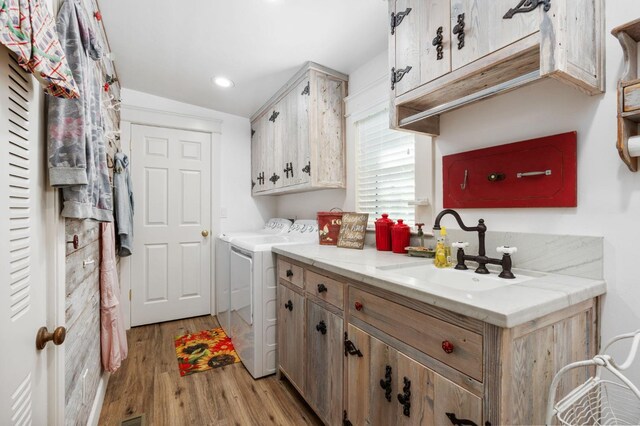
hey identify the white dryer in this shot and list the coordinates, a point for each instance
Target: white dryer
(253, 295)
(273, 226)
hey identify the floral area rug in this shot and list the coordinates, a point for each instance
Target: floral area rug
(204, 350)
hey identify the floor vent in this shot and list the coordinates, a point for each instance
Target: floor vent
(135, 421)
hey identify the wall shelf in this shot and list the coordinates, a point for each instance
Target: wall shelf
(628, 91)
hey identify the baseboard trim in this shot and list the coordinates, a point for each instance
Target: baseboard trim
(96, 408)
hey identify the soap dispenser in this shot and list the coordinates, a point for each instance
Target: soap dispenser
(443, 256)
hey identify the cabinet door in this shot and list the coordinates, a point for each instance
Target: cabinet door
(325, 357)
(435, 19)
(407, 40)
(450, 400)
(414, 393)
(259, 155)
(276, 125)
(301, 160)
(371, 396)
(486, 30)
(291, 316)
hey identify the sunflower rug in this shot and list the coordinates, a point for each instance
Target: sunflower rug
(204, 350)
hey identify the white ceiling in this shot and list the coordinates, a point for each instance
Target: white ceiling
(173, 49)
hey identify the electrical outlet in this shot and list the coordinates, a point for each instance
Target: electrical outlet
(83, 380)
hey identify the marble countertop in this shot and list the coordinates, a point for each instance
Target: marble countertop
(504, 306)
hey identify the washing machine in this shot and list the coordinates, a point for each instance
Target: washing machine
(274, 226)
(253, 294)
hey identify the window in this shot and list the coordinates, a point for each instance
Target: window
(385, 164)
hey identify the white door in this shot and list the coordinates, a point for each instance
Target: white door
(25, 395)
(171, 261)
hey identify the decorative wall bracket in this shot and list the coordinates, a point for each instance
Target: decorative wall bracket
(307, 169)
(527, 6)
(253, 132)
(396, 19)
(273, 117)
(396, 75)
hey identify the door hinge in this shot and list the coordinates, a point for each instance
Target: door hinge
(345, 420)
(130, 293)
(350, 348)
(396, 19)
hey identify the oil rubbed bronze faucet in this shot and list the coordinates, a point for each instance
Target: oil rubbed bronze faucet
(481, 258)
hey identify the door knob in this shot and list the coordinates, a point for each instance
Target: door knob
(44, 336)
(205, 233)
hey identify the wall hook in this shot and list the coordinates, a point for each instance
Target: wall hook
(463, 185)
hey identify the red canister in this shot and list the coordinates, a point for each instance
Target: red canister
(400, 237)
(383, 233)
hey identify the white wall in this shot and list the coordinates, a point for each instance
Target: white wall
(243, 212)
(608, 194)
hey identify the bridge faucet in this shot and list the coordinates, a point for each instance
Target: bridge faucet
(481, 258)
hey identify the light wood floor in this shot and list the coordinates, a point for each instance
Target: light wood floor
(149, 382)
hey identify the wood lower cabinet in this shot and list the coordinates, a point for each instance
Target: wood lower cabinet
(291, 316)
(388, 387)
(361, 355)
(325, 357)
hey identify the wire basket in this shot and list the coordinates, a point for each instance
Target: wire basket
(599, 401)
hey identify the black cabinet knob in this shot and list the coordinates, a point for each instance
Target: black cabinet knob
(322, 327)
(289, 305)
(322, 288)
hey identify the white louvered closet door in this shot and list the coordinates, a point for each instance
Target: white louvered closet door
(23, 290)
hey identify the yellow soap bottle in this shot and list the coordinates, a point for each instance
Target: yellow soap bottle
(443, 251)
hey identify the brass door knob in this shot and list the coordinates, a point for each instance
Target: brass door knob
(205, 233)
(44, 336)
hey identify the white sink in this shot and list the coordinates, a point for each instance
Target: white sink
(452, 278)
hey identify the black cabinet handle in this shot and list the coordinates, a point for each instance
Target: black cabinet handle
(274, 115)
(386, 383)
(459, 31)
(396, 19)
(289, 305)
(461, 422)
(322, 327)
(437, 42)
(289, 273)
(288, 169)
(405, 398)
(274, 178)
(260, 178)
(322, 288)
(307, 89)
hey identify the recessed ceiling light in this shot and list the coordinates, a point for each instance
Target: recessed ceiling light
(223, 82)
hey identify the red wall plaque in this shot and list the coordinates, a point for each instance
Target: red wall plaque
(534, 173)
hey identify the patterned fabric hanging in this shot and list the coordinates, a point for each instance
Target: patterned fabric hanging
(27, 29)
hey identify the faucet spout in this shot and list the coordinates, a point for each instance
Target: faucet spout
(481, 229)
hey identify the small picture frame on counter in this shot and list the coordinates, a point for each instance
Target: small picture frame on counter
(353, 230)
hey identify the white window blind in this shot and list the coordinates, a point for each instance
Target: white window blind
(385, 163)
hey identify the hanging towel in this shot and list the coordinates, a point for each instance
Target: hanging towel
(77, 151)
(123, 202)
(27, 29)
(113, 337)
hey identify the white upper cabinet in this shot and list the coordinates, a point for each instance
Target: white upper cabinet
(444, 54)
(298, 140)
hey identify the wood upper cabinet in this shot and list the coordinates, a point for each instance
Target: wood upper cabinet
(325, 355)
(291, 316)
(259, 155)
(487, 48)
(303, 138)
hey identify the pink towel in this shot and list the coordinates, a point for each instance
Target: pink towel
(113, 337)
